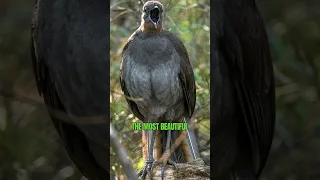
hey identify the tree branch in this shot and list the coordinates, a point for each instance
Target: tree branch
(187, 171)
(122, 155)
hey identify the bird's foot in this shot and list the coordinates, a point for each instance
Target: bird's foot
(147, 169)
(163, 165)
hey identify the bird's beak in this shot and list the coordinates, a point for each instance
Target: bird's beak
(155, 24)
(155, 15)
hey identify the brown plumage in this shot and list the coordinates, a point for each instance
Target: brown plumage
(155, 66)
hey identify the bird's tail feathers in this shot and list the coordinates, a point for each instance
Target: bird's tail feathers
(185, 144)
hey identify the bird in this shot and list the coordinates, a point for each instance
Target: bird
(155, 67)
(69, 48)
(243, 91)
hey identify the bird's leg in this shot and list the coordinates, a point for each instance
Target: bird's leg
(149, 163)
(167, 160)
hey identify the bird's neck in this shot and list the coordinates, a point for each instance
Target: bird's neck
(149, 28)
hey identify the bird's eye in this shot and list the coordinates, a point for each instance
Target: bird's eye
(144, 9)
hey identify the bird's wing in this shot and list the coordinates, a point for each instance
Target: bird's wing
(132, 105)
(224, 112)
(186, 73)
(187, 80)
(259, 89)
(72, 75)
(247, 51)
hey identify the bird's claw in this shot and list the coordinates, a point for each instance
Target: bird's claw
(147, 169)
(154, 164)
(174, 164)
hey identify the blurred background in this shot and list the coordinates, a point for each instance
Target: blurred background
(190, 21)
(31, 150)
(293, 27)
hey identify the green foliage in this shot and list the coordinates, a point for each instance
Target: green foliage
(293, 29)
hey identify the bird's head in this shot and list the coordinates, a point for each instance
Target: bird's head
(151, 18)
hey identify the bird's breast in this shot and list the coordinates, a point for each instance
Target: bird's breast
(154, 73)
(166, 86)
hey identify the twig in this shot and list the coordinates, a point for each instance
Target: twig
(21, 99)
(61, 115)
(122, 154)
